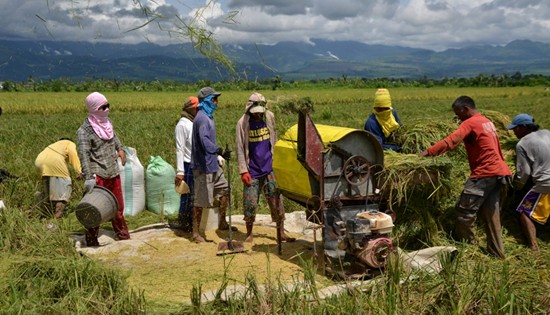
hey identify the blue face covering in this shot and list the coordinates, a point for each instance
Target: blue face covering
(207, 106)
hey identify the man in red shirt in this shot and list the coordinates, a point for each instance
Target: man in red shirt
(489, 173)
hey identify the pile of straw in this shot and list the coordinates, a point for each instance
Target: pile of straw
(419, 191)
(293, 104)
(420, 134)
(404, 174)
(500, 121)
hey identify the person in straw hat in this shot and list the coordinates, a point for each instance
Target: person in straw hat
(383, 120)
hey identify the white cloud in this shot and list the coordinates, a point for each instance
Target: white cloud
(431, 24)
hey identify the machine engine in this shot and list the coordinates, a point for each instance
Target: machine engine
(367, 238)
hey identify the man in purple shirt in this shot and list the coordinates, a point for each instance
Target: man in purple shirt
(255, 142)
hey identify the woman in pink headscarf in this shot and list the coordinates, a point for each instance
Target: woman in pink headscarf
(98, 150)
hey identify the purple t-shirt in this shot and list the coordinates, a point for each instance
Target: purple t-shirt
(259, 148)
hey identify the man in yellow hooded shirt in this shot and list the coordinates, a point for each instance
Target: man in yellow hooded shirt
(383, 120)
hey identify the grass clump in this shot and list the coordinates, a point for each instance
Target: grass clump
(43, 274)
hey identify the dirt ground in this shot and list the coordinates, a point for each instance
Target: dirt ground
(166, 266)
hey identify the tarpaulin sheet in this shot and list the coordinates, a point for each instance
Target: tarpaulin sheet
(291, 175)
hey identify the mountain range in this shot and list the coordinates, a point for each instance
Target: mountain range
(21, 60)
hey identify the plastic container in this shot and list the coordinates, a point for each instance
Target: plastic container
(96, 207)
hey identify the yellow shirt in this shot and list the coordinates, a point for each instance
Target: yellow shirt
(52, 161)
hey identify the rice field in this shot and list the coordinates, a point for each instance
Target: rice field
(472, 284)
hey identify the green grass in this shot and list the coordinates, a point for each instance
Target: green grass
(41, 272)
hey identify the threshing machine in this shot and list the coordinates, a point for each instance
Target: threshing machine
(331, 171)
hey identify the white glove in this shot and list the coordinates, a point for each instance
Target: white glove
(89, 184)
(221, 161)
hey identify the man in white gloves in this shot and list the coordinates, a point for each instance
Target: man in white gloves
(98, 150)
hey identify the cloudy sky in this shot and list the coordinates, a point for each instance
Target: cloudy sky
(430, 24)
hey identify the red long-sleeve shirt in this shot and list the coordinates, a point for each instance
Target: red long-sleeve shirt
(481, 140)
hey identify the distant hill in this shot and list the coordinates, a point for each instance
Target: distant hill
(42, 60)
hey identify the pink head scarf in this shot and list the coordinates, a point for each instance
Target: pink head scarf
(97, 117)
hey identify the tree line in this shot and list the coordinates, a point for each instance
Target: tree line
(275, 83)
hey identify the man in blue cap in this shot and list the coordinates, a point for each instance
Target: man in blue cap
(532, 165)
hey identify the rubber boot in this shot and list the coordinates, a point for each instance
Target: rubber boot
(59, 208)
(249, 226)
(222, 221)
(185, 221)
(197, 214)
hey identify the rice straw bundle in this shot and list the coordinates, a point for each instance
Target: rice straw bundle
(420, 134)
(419, 191)
(405, 173)
(500, 121)
(293, 104)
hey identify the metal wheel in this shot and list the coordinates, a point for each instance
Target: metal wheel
(356, 170)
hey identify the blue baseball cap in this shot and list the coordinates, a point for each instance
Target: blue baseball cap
(521, 119)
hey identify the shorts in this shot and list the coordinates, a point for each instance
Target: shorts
(479, 190)
(536, 206)
(57, 188)
(209, 187)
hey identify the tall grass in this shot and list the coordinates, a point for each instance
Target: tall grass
(43, 274)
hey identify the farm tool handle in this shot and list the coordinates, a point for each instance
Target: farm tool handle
(231, 246)
(229, 196)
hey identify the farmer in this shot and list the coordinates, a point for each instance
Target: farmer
(51, 166)
(255, 140)
(210, 183)
(383, 120)
(489, 174)
(183, 131)
(532, 165)
(98, 149)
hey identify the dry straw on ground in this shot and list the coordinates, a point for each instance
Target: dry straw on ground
(167, 267)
